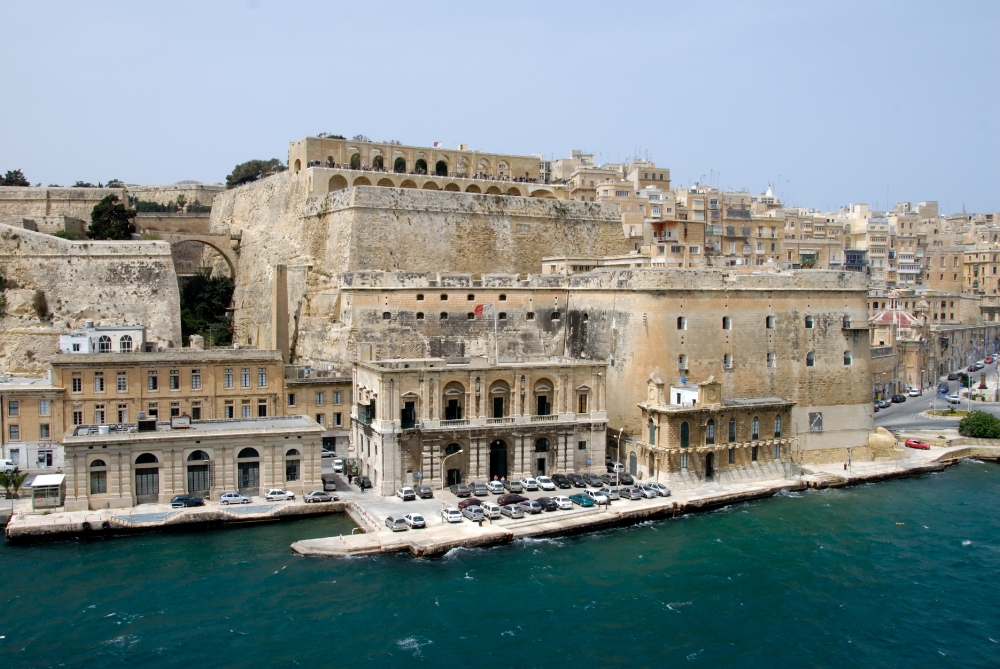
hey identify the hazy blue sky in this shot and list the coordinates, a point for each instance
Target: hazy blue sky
(832, 102)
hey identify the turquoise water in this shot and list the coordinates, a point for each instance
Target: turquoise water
(896, 574)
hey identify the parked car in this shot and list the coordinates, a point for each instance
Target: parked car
(953, 376)
(228, 498)
(661, 489)
(918, 444)
(317, 496)
(630, 493)
(611, 479)
(396, 523)
(512, 486)
(545, 483)
(279, 495)
(338, 466)
(473, 513)
(954, 399)
(363, 481)
(897, 398)
(615, 467)
(647, 492)
(471, 501)
(915, 392)
(7, 465)
(884, 404)
(529, 484)
(610, 493)
(451, 515)
(563, 502)
(943, 388)
(511, 498)
(512, 511)
(406, 494)
(495, 487)
(531, 506)
(327, 454)
(479, 489)
(415, 520)
(971, 368)
(989, 360)
(626, 479)
(576, 480)
(581, 499)
(593, 480)
(329, 484)
(596, 495)
(548, 504)
(978, 365)
(561, 481)
(182, 501)
(425, 492)
(460, 490)
(490, 510)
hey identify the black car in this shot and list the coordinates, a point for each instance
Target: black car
(548, 504)
(424, 492)
(593, 480)
(186, 500)
(460, 490)
(511, 498)
(363, 481)
(561, 481)
(953, 376)
(626, 479)
(896, 399)
(576, 480)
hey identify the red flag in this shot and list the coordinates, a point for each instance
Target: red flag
(484, 310)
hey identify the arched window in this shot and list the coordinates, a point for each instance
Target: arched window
(847, 322)
(755, 429)
(399, 165)
(732, 430)
(146, 459)
(652, 433)
(451, 449)
(378, 163)
(293, 470)
(777, 427)
(810, 359)
(355, 161)
(197, 456)
(769, 322)
(125, 344)
(809, 322)
(97, 463)
(710, 432)
(633, 464)
(420, 315)
(727, 323)
(292, 453)
(685, 435)
(682, 362)
(104, 344)
(847, 358)
(541, 445)
(420, 167)
(503, 298)
(681, 323)
(248, 453)
(444, 315)
(386, 316)
(441, 168)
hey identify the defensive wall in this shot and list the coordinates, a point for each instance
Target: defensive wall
(112, 283)
(31, 202)
(166, 194)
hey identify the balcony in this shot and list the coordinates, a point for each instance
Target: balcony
(482, 422)
(499, 421)
(455, 423)
(543, 419)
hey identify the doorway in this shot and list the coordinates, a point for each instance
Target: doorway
(147, 485)
(498, 459)
(709, 466)
(454, 476)
(453, 411)
(540, 468)
(408, 417)
(498, 407)
(248, 478)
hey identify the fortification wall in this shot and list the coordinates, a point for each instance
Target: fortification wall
(112, 283)
(203, 193)
(37, 202)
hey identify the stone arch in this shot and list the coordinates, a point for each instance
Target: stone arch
(215, 242)
(441, 168)
(337, 182)
(483, 167)
(514, 191)
(399, 165)
(362, 181)
(386, 182)
(544, 194)
(378, 163)
(493, 190)
(453, 187)
(408, 183)
(473, 188)
(298, 165)
(147, 459)
(355, 161)
(430, 185)
(420, 167)
(248, 452)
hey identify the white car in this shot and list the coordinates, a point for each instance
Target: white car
(228, 498)
(338, 466)
(596, 495)
(279, 495)
(451, 515)
(545, 483)
(954, 399)
(661, 489)
(415, 520)
(491, 510)
(406, 494)
(914, 392)
(529, 483)
(495, 487)
(7, 466)
(563, 502)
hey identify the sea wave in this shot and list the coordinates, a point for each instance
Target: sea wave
(414, 644)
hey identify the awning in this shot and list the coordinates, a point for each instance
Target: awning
(43, 480)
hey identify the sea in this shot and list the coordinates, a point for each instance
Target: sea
(897, 574)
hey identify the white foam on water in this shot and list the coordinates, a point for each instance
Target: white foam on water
(966, 543)
(414, 644)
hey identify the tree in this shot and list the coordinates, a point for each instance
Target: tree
(83, 184)
(111, 219)
(252, 170)
(14, 178)
(12, 479)
(361, 138)
(116, 183)
(980, 425)
(204, 300)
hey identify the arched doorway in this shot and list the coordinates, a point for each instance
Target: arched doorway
(633, 464)
(355, 161)
(709, 466)
(147, 479)
(452, 187)
(498, 459)
(399, 165)
(454, 474)
(473, 188)
(386, 183)
(362, 181)
(248, 471)
(337, 182)
(441, 168)
(199, 478)
(378, 163)
(541, 456)
(420, 167)
(685, 435)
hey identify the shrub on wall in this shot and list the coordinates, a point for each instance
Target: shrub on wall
(980, 425)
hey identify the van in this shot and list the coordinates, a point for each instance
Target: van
(7, 465)
(396, 523)
(490, 510)
(338, 466)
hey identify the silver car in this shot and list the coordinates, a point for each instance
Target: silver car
(473, 513)
(531, 506)
(630, 493)
(228, 498)
(661, 489)
(610, 493)
(479, 489)
(512, 510)
(646, 491)
(397, 523)
(495, 487)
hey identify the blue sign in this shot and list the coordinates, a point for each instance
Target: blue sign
(420, 475)
(588, 461)
(684, 380)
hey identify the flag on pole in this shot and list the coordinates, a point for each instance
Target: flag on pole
(484, 310)
(437, 145)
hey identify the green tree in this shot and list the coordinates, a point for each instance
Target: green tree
(116, 183)
(111, 219)
(13, 479)
(83, 184)
(204, 300)
(980, 425)
(71, 235)
(252, 170)
(14, 178)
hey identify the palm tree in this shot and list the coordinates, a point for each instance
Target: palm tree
(12, 479)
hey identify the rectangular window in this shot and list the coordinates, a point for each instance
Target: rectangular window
(753, 452)
(195, 410)
(98, 483)
(77, 384)
(581, 445)
(261, 409)
(291, 399)
(684, 460)
(175, 380)
(228, 412)
(13, 408)
(727, 360)
(732, 456)
(98, 382)
(77, 417)
(175, 409)
(122, 382)
(262, 377)
(771, 361)
(151, 381)
(321, 419)
(292, 470)
(152, 410)
(43, 430)
(245, 377)
(336, 397)
(14, 432)
(320, 398)
(195, 379)
(777, 451)
(582, 404)
(122, 413)
(338, 419)
(99, 414)
(245, 410)
(228, 378)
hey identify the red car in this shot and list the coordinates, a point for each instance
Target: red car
(988, 361)
(471, 501)
(916, 443)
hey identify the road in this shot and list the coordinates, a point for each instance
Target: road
(907, 415)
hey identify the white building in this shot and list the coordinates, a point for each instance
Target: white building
(90, 339)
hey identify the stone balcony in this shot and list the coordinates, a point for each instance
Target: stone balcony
(484, 422)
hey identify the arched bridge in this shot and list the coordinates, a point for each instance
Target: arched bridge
(221, 243)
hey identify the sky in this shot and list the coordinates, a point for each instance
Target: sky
(827, 102)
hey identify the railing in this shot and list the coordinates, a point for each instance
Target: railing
(449, 423)
(541, 419)
(499, 421)
(881, 351)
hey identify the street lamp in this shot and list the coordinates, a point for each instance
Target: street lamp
(443, 470)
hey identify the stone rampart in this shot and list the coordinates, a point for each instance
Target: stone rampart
(203, 193)
(35, 202)
(112, 283)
